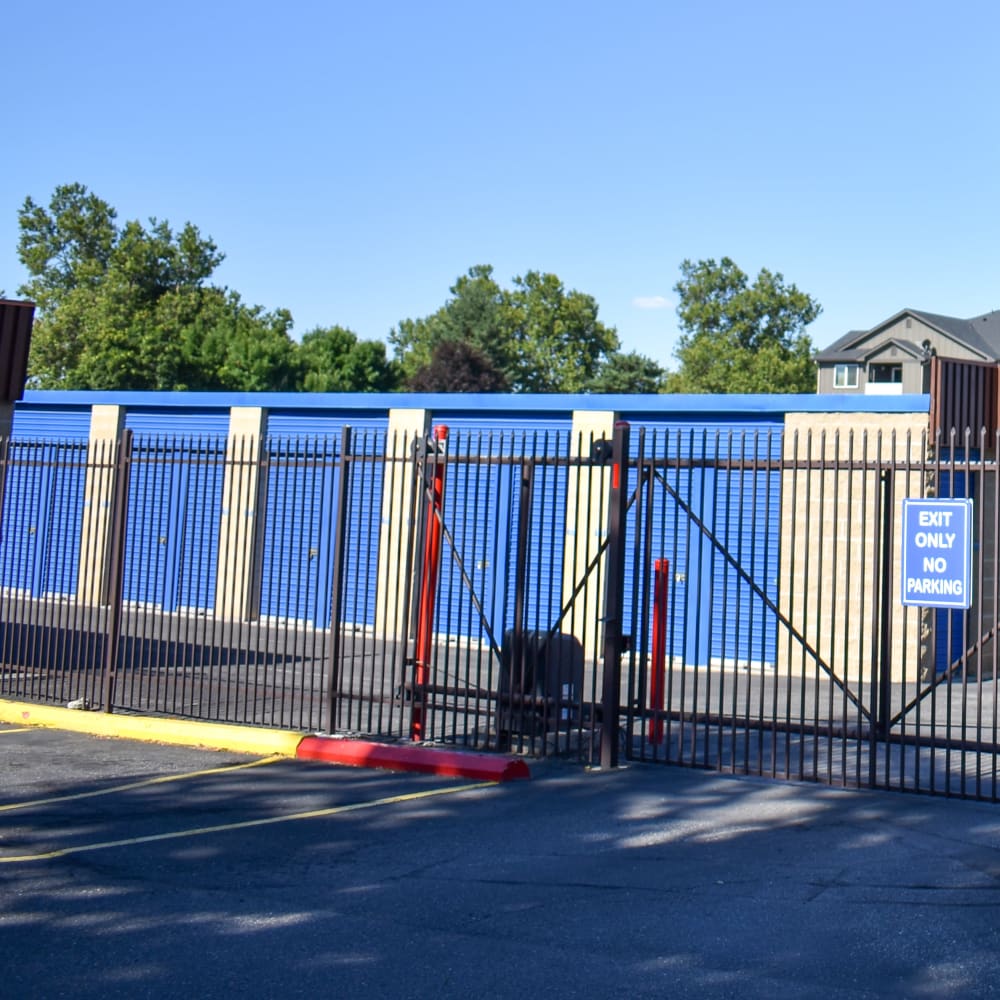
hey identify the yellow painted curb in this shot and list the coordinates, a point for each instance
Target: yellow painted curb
(180, 732)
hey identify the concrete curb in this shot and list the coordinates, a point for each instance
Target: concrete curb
(179, 732)
(407, 757)
(264, 742)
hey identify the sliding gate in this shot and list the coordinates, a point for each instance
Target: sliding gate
(770, 638)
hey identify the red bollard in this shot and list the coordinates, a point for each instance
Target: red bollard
(658, 664)
(428, 588)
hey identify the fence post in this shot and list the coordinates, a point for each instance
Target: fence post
(658, 659)
(4, 461)
(428, 582)
(116, 566)
(513, 691)
(884, 693)
(614, 597)
(339, 555)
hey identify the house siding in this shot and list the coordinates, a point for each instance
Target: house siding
(906, 328)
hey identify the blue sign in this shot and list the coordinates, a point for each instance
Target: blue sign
(937, 553)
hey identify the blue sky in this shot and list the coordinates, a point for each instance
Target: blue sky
(351, 160)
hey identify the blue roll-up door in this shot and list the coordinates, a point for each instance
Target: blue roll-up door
(175, 507)
(43, 499)
(50, 423)
(300, 506)
(477, 511)
(26, 515)
(719, 528)
(669, 531)
(747, 523)
(299, 511)
(482, 516)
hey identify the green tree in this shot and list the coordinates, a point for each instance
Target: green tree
(739, 337)
(66, 246)
(559, 343)
(457, 366)
(333, 359)
(628, 373)
(248, 349)
(130, 307)
(474, 315)
(540, 336)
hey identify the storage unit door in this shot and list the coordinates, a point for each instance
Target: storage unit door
(747, 523)
(175, 507)
(50, 423)
(26, 515)
(482, 508)
(299, 513)
(718, 526)
(302, 476)
(40, 547)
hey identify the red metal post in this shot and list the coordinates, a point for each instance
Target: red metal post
(658, 664)
(428, 584)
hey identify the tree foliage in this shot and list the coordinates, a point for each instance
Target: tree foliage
(742, 337)
(474, 315)
(628, 373)
(132, 307)
(538, 335)
(457, 366)
(335, 360)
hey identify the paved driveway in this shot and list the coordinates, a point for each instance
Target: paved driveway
(131, 870)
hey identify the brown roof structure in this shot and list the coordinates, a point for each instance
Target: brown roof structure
(16, 319)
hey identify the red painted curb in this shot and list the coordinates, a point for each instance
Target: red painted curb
(427, 760)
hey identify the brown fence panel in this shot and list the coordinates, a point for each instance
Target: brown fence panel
(964, 397)
(16, 320)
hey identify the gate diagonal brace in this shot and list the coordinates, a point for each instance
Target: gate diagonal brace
(420, 453)
(771, 606)
(946, 676)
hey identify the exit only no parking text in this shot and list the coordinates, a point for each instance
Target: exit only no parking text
(937, 553)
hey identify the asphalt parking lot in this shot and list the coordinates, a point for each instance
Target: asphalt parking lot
(138, 870)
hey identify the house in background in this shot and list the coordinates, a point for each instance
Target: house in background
(893, 357)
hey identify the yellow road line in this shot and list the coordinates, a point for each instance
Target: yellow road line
(139, 784)
(23, 729)
(247, 824)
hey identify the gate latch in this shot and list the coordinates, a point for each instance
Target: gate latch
(602, 451)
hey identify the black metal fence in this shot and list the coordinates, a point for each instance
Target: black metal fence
(726, 599)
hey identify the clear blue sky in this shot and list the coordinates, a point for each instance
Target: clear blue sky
(352, 159)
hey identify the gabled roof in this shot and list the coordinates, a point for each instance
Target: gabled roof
(981, 334)
(906, 346)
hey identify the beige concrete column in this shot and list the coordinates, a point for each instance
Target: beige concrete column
(828, 576)
(236, 596)
(106, 423)
(588, 492)
(405, 427)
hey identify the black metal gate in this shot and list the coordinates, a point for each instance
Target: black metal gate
(726, 600)
(491, 634)
(805, 665)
